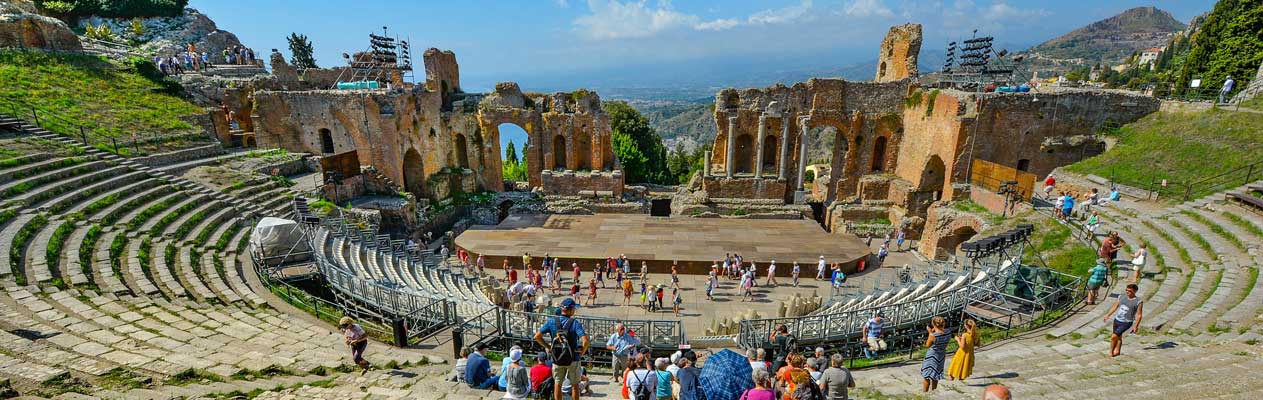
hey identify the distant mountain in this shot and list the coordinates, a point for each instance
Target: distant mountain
(1110, 41)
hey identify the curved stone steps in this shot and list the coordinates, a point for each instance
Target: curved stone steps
(134, 208)
(1254, 217)
(188, 276)
(1199, 283)
(1225, 250)
(222, 230)
(135, 276)
(164, 273)
(179, 209)
(36, 266)
(7, 235)
(79, 197)
(41, 177)
(79, 177)
(222, 222)
(132, 204)
(1195, 251)
(71, 267)
(102, 270)
(55, 352)
(1176, 272)
(211, 211)
(82, 340)
(31, 168)
(1247, 238)
(124, 192)
(234, 272)
(1246, 309)
(211, 264)
(1229, 275)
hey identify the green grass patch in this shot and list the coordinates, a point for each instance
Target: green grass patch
(970, 206)
(146, 247)
(1187, 259)
(57, 241)
(101, 204)
(223, 241)
(193, 375)
(191, 223)
(1197, 238)
(1216, 228)
(1215, 329)
(62, 384)
(149, 212)
(113, 99)
(172, 216)
(1175, 146)
(7, 214)
(88, 247)
(120, 379)
(1244, 224)
(20, 240)
(267, 372)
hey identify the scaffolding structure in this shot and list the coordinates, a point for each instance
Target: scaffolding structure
(975, 65)
(385, 56)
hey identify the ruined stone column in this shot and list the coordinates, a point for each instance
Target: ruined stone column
(758, 155)
(706, 164)
(784, 146)
(802, 150)
(730, 167)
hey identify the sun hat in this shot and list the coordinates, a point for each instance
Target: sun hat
(345, 321)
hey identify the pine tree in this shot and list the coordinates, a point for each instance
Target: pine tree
(510, 154)
(301, 51)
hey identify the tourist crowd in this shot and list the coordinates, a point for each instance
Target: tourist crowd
(192, 60)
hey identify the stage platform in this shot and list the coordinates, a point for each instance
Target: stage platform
(695, 243)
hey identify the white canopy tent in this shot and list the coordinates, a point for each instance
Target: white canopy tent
(277, 240)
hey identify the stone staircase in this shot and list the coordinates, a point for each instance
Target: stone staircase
(1199, 337)
(108, 265)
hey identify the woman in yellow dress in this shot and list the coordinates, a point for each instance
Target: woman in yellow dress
(963, 361)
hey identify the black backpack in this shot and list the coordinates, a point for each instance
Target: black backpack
(564, 343)
(642, 391)
(807, 391)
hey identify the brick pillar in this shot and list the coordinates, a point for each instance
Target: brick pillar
(729, 166)
(784, 156)
(802, 150)
(758, 158)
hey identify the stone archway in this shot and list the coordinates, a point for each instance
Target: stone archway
(949, 244)
(414, 173)
(744, 156)
(559, 152)
(933, 177)
(879, 154)
(462, 151)
(771, 146)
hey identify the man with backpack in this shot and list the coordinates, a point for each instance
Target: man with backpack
(569, 344)
(784, 344)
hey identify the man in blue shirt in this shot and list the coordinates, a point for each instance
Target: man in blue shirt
(620, 344)
(478, 369)
(873, 335)
(565, 355)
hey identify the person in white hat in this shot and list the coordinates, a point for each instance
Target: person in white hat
(357, 339)
(519, 382)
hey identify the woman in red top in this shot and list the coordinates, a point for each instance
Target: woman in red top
(591, 291)
(512, 276)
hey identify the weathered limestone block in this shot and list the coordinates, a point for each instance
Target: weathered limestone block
(22, 27)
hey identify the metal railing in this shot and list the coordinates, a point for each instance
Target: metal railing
(61, 125)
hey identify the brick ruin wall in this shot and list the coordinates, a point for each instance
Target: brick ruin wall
(437, 144)
(897, 58)
(863, 115)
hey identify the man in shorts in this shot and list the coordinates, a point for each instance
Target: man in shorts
(620, 345)
(1127, 314)
(874, 336)
(566, 356)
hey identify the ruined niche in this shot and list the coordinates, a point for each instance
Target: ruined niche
(899, 50)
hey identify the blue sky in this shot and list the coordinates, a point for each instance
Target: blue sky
(545, 43)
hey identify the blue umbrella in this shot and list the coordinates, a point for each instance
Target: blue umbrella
(725, 375)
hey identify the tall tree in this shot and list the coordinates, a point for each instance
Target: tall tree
(510, 154)
(300, 51)
(626, 121)
(1229, 42)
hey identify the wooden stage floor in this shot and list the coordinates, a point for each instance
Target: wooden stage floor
(694, 242)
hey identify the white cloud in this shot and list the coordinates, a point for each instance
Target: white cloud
(613, 19)
(718, 25)
(1002, 11)
(867, 8)
(780, 16)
